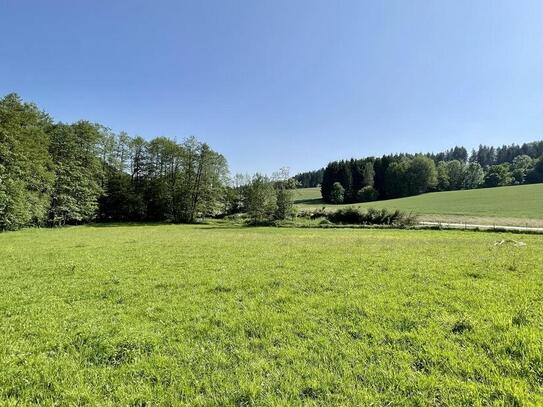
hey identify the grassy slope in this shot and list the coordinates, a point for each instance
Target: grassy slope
(513, 205)
(204, 315)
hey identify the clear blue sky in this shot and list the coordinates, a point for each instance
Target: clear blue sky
(272, 83)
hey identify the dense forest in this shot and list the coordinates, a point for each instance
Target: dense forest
(399, 175)
(56, 173)
(309, 179)
(52, 174)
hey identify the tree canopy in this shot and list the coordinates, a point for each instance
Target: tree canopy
(57, 173)
(399, 175)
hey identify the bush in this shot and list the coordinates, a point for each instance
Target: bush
(337, 195)
(312, 214)
(351, 216)
(367, 194)
(355, 216)
(285, 204)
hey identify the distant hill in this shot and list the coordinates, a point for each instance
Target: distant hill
(511, 205)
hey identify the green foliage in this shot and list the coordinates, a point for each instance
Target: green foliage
(455, 172)
(285, 204)
(474, 176)
(454, 175)
(520, 167)
(498, 175)
(443, 180)
(421, 175)
(284, 189)
(516, 205)
(260, 200)
(185, 315)
(402, 175)
(337, 195)
(536, 174)
(371, 216)
(410, 176)
(60, 173)
(74, 198)
(162, 180)
(310, 179)
(368, 174)
(26, 175)
(367, 194)
(353, 175)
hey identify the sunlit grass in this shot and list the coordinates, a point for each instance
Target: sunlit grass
(515, 205)
(218, 315)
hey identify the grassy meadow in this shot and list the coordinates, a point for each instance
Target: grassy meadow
(519, 205)
(224, 315)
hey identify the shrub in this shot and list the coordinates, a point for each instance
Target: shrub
(312, 214)
(350, 215)
(367, 194)
(337, 195)
(285, 204)
(355, 216)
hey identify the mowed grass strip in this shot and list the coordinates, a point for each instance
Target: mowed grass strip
(207, 315)
(516, 205)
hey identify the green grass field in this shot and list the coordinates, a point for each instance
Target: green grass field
(225, 315)
(516, 205)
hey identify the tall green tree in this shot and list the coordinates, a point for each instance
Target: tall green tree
(284, 187)
(260, 199)
(536, 174)
(206, 186)
(521, 166)
(26, 174)
(455, 171)
(497, 176)
(474, 175)
(74, 152)
(421, 175)
(396, 182)
(443, 181)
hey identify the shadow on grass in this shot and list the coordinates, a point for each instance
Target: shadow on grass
(213, 224)
(123, 224)
(312, 201)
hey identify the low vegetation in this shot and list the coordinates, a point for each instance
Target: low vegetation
(210, 315)
(357, 216)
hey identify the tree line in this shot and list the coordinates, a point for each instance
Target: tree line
(160, 179)
(309, 179)
(261, 198)
(53, 174)
(56, 173)
(400, 175)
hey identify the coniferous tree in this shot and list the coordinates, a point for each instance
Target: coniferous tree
(536, 174)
